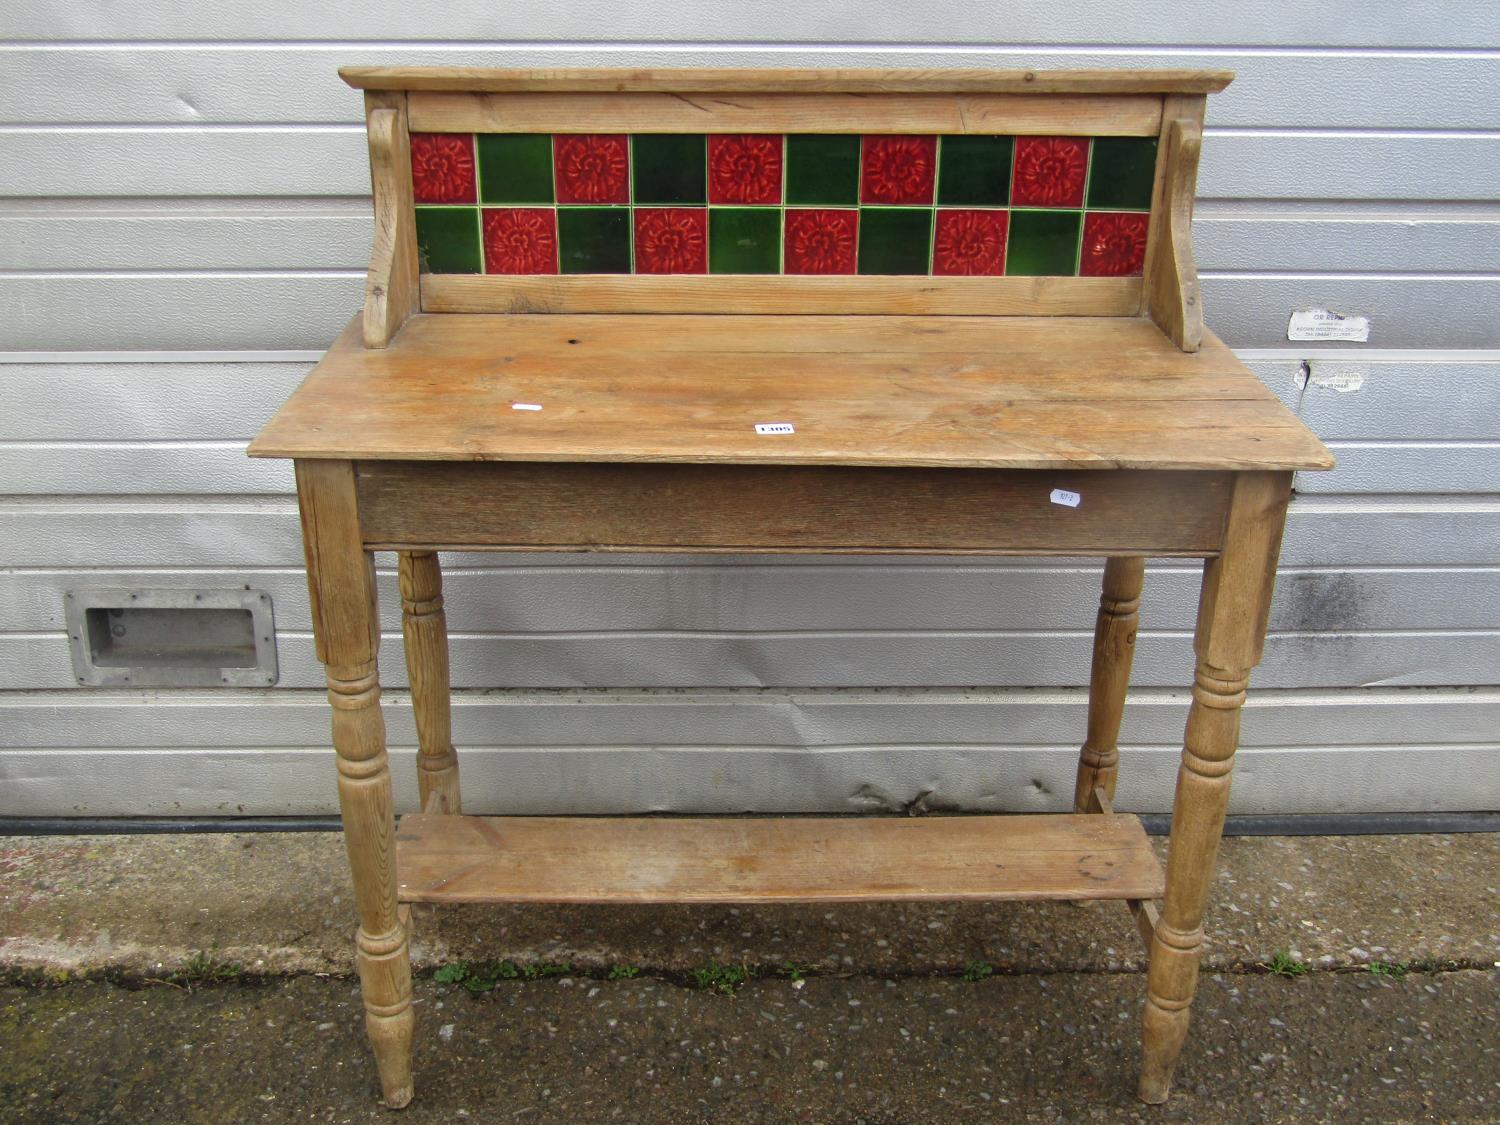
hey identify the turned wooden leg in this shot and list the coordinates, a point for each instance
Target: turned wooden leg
(341, 579)
(425, 628)
(1114, 648)
(1232, 613)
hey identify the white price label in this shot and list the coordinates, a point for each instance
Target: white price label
(1065, 498)
(525, 406)
(775, 428)
(1325, 324)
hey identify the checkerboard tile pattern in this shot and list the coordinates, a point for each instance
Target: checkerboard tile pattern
(884, 205)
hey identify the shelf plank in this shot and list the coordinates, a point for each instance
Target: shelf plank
(794, 859)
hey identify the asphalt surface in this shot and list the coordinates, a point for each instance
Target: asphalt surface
(1061, 1047)
(208, 978)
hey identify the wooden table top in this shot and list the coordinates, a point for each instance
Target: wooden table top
(938, 391)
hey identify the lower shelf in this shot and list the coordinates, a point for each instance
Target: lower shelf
(789, 859)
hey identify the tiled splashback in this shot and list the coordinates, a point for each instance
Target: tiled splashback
(517, 203)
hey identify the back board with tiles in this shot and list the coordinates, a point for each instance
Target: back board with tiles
(783, 191)
(759, 203)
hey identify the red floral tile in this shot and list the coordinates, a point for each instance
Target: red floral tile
(970, 242)
(1114, 244)
(1050, 171)
(744, 168)
(671, 240)
(898, 169)
(442, 168)
(592, 167)
(821, 240)
(520, 240)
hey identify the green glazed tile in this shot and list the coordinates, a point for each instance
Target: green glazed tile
(670, 168)
(974, 171)
(515, 167)
(1122, 173)
(448, 240)
(1043, 243)
(822, 169)
(594, 239)
(894, 240)
(744, 240)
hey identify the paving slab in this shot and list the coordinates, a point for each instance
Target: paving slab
(1056, 1047)
(281, 903)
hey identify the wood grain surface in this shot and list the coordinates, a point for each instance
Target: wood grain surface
(1173, 295)
(1084, 115)
(690, 80)
(341, 581)
(783, 293)
(1229, 639)
(759, 508)
(392, 291)
(813, 859)
(1022, 392)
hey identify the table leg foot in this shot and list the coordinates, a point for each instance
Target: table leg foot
(385, 981)
(391, 1040)
(1165, 1034)
(1164, 1023)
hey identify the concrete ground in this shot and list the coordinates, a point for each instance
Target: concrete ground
(208, 978)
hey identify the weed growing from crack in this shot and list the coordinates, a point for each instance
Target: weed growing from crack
(1283, 964)
(205, 966)
(483, 976)
(725, 979)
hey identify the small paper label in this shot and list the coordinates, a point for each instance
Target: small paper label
(1345, 378)
(525, 406)
(1065, 498)
(775, 428)
(1325, 324)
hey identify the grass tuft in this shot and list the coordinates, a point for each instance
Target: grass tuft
(725, 979)
(483, 976)
(1283, 964)
(205, 966)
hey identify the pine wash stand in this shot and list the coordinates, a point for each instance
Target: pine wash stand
(863, 312)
